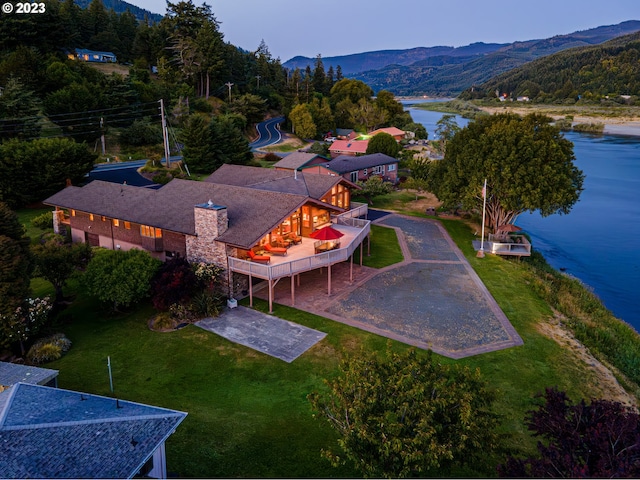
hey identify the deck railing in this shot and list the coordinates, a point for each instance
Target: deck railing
(357, 210)
(509, 245)
(313, 261)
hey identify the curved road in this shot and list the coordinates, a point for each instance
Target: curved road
(268, 133)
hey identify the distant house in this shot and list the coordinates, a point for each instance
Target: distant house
(348, 147)
(299, 160)
(346, 133)
(360, 168)
(93, 56)
(52, 433)
(393, 131)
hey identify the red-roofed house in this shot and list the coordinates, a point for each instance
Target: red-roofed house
(348, 147)
(393, 131)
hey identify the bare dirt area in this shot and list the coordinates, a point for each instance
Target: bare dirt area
(606, 384)
(623, 121)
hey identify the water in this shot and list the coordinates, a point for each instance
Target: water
(599, 240)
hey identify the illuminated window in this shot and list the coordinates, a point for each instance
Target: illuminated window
(103, 218)
(116, 222)
(127, 225)
(73, 213)
(150, 232)
(91, 217)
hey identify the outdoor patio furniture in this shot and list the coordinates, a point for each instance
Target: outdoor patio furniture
(259, 258)
(294, 238)
(275, 250)
(280, 242)
(322, 247)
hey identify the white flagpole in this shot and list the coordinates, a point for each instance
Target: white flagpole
(484, 207)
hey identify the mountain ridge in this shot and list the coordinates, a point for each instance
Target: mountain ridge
(447, 71)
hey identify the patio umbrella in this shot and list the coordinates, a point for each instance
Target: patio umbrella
(326, 233)
(509, 227)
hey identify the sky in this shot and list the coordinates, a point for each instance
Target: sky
(341, 27)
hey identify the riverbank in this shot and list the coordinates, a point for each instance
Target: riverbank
(626, 121)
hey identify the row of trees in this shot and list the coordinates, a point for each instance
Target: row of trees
(350, 104)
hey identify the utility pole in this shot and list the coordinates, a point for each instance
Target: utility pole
(165, 136)
(229, 84)
(102, 134)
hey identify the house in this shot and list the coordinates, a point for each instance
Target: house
(12, 373)
(48, 432)
(298, 160)
(93, 56)
(393, 131)
(346, 134)
(359, 169)
(348, 147)
(236, 210)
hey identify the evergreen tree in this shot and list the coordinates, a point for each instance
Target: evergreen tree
(19, 107)
(15, 262)
(319, 76)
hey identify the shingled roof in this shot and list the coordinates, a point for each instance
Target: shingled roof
(297, 160)
(349, 163)
(283, 181)
(52, 433)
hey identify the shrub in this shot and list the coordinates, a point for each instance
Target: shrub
(48, 349)
(272, 157)
(180, 313)
(43, 222)
(207, 304)
(174, 282)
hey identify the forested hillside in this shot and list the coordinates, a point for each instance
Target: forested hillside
(119, 6)
(446, 71)
(588, 74)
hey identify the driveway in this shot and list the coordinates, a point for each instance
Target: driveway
(432, 300)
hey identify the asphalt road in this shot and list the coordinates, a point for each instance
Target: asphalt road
(268, 133)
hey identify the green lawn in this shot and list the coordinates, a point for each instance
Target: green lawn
(248, 413)
(385, 249)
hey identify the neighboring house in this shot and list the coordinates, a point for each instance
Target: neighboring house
(235, 210)
(12, 373)
(53, 433)
(298, 160)
(93, 56)
(346, 134)
(348, 147)
(393, 131)
(359, 169)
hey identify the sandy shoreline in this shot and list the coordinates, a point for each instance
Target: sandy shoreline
(627, 126)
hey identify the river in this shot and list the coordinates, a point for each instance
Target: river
(598, 241)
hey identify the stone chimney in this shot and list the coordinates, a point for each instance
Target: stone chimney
(211, 221)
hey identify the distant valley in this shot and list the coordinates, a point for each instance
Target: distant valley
(447, 71)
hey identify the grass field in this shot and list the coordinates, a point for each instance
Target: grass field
(248, 413)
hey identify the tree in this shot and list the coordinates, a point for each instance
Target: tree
(528, 165)
(417, 128)
(302, 122)
(252, 107)
(366, 115)
(227, 141)
(383, 143)
(32, 171)
(373, 187)
(19, 108)
(56, 260)
(197, 151)
(174, 282)
(407, 415)
(596, 440)
(319, 76)
(24, 322)
(354, 90)
(446, 128)
(15, 262)
(120, 278)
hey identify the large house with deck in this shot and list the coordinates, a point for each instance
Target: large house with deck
(234, 219)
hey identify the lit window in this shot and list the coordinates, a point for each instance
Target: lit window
(151, 232)
(103, 218)
(91, 217)
(127, 225)
(73, 213)
(116, 222)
